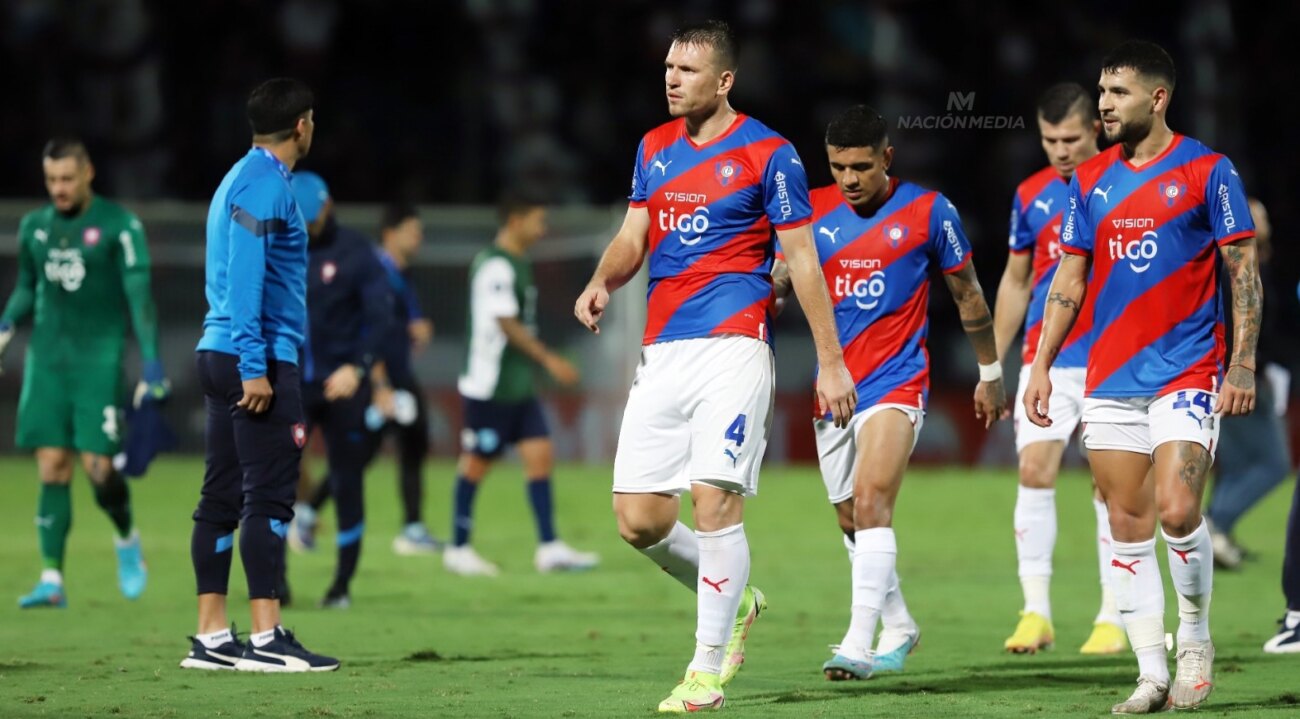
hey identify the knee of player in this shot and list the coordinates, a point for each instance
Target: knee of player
(1180, 516)
(640, 533)
(1036, 473)
(872, 514)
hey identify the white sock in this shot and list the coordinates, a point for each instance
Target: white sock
(52, 576)
(894, 615)
(1191, 566)
(724, 572)
(1140, 596)
(261, 639)
(678, 554)
(214, 639)
(128, 540)
(874, 561)
(850, 546)
(1035, 525)
(1109, 612)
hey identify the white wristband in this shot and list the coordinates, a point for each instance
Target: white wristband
(990, 372)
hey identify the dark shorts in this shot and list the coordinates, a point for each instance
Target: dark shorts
(252, 459)
(491, 426)
(349, 444)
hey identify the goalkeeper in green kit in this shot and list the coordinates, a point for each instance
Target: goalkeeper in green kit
(83, 275)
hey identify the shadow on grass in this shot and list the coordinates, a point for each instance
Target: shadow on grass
(431, 655)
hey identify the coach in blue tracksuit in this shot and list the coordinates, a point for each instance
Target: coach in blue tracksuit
(256, 287)
(349, 308)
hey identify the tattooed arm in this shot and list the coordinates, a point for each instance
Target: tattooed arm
(990, 397)
(1064, 301)
(1242, 264)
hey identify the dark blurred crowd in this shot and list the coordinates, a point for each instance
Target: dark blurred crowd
(449, 101)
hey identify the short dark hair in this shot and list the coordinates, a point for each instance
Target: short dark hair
(61, 147)
(857, 126)
(517, 203)
(1144, 58)
(396, 213)
(275, 106)
(715, 34)
(1064, 99)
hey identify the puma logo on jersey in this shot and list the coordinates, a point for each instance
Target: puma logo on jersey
(1046, 207)
(1104, 193)
(829, 233)
(663, 166)
(41, 235)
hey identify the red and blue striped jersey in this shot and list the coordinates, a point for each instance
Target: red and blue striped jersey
(1153, 233)
(877, 268)
(713, 211)
(1037, 212)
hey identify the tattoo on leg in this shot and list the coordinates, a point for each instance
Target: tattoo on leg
(1193, 466)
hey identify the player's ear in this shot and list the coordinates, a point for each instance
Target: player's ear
(725, 81)
(887, 157)
(1159, 98)
(90, 171)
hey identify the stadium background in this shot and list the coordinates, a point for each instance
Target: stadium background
(448, 103)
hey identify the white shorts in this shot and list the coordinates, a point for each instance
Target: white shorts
(700, 410)
(1140, 424)
(837, 449)
(1065, 407)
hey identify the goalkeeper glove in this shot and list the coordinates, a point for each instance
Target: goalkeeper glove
(154, 384)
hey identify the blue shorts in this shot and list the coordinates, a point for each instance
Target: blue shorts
(491, 426)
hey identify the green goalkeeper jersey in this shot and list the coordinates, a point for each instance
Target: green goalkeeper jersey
(81, 278)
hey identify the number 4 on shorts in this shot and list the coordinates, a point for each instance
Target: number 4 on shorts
(736, 432)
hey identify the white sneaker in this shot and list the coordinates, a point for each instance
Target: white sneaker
(1149, 697)
(556, 556)
(1287, 639)
(466, 562)
(1194, 678)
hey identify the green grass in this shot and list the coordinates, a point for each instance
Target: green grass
(609, 643)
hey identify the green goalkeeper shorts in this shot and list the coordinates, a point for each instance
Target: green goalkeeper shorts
(73, 407)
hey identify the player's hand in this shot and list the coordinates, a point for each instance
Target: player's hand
(342, 383)
(990, 402)
(1238, 395)
(421, 332)
(257, 395)
(590, 307)
(836, 394)
(6, 334)
(1037, 392)
(562, 370)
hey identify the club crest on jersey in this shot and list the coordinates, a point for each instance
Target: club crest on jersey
(328, 271)
(725, 171)
(1170, 191)
(90, 236)
(895, 233)
(300, 435)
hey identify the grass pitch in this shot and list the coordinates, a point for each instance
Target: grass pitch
(610, 643)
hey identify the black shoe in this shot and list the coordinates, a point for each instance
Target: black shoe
(283, 654)
(221, 658)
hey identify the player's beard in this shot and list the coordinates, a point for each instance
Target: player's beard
(1131, 133)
